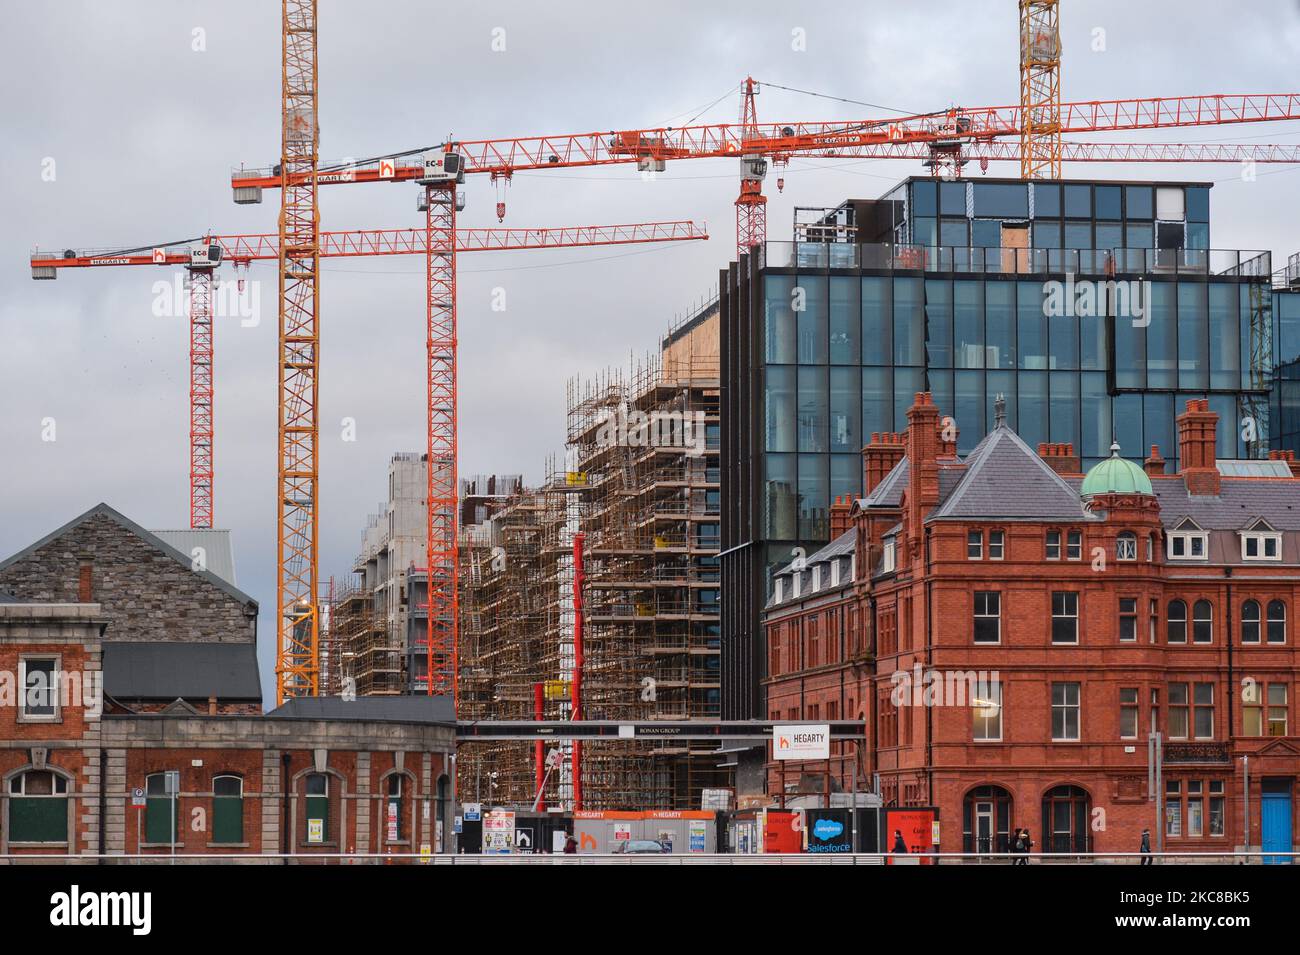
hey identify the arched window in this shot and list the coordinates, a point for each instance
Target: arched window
(38, 807)
(160, 810)
(1250, 622)
(1176, 622)
(1276, 621)
(1202, 622)
(227, 808)
(1126, 546)
(394, 790)
(317, 788)
(1065, 819)
(986, 814)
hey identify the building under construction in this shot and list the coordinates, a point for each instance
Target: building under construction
(640, 484)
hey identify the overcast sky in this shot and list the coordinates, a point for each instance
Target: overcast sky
(140, 109)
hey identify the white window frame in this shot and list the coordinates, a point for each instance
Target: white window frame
(1126, 538)
(23, 715)
(1065, 707)
(889, 557)
(1260, 538)
(1186, 538)
(1001, 537)
(816, 578)
(979, 716)
(976, 538)
(1048, 544)
(976, 615)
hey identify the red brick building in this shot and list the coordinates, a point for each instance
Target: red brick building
(122, 662)
(1026, 627)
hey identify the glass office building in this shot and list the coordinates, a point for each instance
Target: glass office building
(1096, 308)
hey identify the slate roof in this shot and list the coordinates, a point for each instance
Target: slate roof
(7, 598)
(147, 536)
(418, 708)
(889, 492)
(1005, 479)
(153, 670)
(842, 546)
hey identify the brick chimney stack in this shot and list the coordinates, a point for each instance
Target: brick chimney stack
(879, 458)
(1060, 457)
(1196, 463)
(1289, 458)
(1155, 464)
(840, 515)
(922, 457)
(85, 580)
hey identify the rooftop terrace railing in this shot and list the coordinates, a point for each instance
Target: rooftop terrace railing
(1000, 261)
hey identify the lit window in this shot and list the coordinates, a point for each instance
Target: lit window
(987, 709)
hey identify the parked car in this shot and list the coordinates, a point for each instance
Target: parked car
(639, 847)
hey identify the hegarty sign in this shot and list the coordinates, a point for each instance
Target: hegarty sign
(801, 742)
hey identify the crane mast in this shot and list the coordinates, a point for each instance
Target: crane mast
(298, 617)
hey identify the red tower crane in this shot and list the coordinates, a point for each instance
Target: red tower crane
(441, 168)
(201, 257)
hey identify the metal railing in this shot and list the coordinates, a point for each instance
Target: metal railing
(1242, 857)
(1002, 261)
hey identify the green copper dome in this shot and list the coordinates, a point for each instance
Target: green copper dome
(1115, 476)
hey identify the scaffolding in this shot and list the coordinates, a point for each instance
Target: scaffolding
(369, 655)
(640, 480)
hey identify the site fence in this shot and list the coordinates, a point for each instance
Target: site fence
(1229, 857)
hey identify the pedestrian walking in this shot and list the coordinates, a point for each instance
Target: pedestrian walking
(1146, 847)
(1024, 846)
(1013, 846)
(899, 845)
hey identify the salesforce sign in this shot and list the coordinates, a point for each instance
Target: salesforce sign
(828, 830)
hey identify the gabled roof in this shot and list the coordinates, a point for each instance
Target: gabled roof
(1006, 479)
(148, 537)
(154, 670)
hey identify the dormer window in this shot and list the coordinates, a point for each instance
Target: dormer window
(1261, 542)
(1188, 542)
(779, 593)
(835, 572)
(889, 558)
(1126, 546)
(817, 578)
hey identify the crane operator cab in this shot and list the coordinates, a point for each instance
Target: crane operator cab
(205, 256)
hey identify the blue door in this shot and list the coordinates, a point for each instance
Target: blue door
(1275, 814)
